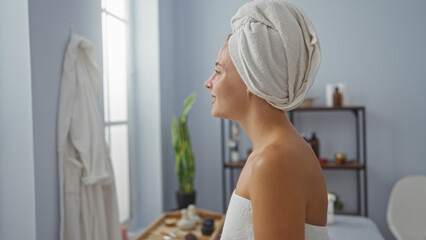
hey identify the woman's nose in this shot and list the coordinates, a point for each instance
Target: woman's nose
(208, 84)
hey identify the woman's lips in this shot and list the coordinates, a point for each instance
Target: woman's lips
(214, 100)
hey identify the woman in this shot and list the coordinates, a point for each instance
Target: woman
(264, 69)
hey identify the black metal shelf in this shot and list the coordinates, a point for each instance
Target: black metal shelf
(352, 164)
(322, 108)
(359, 164)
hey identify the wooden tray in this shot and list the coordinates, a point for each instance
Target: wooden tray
(157, 228)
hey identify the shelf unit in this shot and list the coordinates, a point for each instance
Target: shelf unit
(349, 164)
(359, 164)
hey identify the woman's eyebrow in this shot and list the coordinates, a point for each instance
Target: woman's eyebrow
(217, 63)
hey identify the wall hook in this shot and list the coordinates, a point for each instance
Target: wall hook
(72, 28)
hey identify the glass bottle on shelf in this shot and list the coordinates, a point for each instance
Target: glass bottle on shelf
(337, 98)
(314, 144)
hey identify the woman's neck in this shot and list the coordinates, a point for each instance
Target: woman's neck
(263, 123)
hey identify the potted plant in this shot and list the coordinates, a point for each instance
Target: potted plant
(184, 165)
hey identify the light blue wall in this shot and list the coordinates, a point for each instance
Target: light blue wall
(49, 35)
(17, 207)
(169, 105)
(376, 47)
(191, 33)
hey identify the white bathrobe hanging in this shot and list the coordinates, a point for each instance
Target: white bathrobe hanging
(89, 209)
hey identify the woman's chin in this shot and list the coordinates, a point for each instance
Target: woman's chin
(220, 115)
(215, 113)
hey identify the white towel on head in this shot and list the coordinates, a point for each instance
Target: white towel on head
(276, 51)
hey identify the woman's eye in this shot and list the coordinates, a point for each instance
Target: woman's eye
(217, 72)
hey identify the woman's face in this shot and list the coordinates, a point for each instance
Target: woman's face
(227, 88)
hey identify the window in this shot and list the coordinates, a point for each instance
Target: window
(115, 38)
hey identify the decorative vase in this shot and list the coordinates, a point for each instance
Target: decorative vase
(184, 199)
(185, 223)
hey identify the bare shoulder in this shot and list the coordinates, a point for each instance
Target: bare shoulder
(276, 159)
(287, 185)
(275, 173)
(285, 170)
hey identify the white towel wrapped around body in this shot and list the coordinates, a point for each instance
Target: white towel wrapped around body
(276, 51)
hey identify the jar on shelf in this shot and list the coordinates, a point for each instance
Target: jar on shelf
(340, 158)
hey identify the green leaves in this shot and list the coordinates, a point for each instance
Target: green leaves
(181, 140)
(187, 105)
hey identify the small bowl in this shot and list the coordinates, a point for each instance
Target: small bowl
(170, 221)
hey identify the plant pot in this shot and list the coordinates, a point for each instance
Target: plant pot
(184, 199)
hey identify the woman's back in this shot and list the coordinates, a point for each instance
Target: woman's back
(306, 175)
